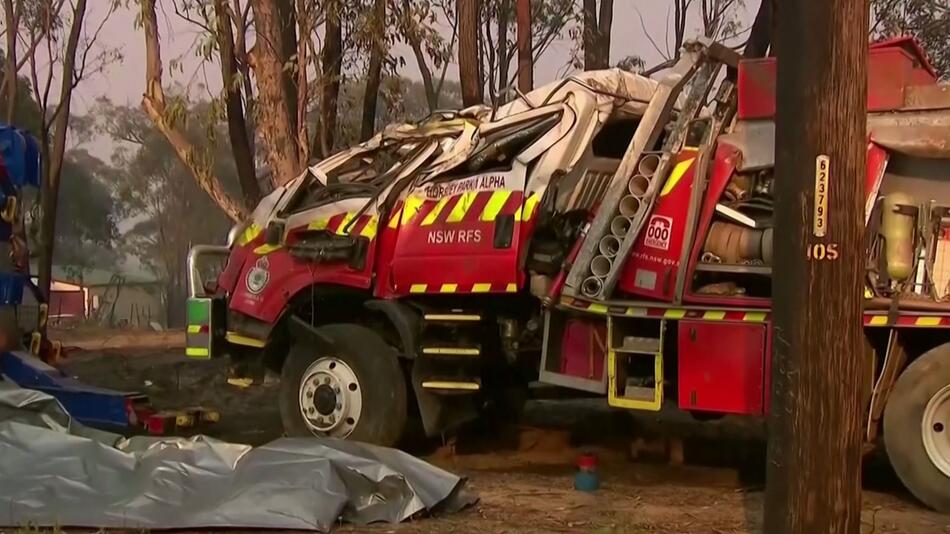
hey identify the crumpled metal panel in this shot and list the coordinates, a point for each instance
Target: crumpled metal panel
(55, 472)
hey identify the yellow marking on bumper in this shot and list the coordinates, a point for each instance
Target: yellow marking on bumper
(249, 234)
(636, 312)
(878, 320)
(674, 314)
(436, 210)
(597, 308)
(448, 288)
(928, 321)
(196, 352)
(238, 339)
(495, 204)
(714, 315)
(264, 250)
(241, 382)
(466, 386)
(194, 329)
(451, 351)
(318, 224)
(512, 288)
(754, 317)
(418, 288)
(452, 317)
(481, 288)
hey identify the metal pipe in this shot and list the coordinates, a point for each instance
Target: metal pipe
(591, 287)
(638, 185)
(600, 266)
(629, 206)
(620, 226)
(884, 303)
(609, 246)
(648, 165)
(194, 256)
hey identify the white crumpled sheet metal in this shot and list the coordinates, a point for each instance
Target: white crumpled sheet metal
(54, 472)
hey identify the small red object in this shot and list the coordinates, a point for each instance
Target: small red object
(587, 461)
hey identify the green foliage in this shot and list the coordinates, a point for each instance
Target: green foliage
(86, 215)
(927, 20)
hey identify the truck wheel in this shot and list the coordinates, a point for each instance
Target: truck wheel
(917, 428)
(356, 393)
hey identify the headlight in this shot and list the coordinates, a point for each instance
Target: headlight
(234, 232)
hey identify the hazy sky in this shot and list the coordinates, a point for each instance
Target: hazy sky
(123, 82)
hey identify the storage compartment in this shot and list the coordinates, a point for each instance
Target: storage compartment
(574, 352)
(721, 367)
(635, 363)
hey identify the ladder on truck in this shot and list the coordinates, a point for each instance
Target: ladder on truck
(642, 172)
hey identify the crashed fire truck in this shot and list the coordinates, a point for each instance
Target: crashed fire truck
(607, 233)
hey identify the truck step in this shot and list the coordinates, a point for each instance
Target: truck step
(638, 344)
(452, 386)
(453, 316)
(451, 351)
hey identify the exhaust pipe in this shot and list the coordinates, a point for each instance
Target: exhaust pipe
(592, 286)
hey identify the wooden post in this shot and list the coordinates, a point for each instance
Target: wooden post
(525, 60)
(814, 456)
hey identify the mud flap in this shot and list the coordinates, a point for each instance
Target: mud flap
(440, 413)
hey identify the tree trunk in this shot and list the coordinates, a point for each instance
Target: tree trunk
(237, 127)
(504, 15)
(525, 59)
(814, 456)
(760, 36)
(604, 27)
(153, 102)
(415, 42)
(332, 64)
(469, 72)
(287, 16)
(274, 124)
(590, 34)
(373, 78)
(10, 66)
(49, 194)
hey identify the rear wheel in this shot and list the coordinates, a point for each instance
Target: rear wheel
(356, 392)
(917, 428)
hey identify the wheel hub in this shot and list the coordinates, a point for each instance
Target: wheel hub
(936, 430)
(330, 398)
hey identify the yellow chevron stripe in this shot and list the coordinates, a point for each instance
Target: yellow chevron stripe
(372, 226)
(196, 352)
(448, 288)
(246, 341)
(597, 308)
(461, 207)
(678, 172)
(319, 224)
(411, 208)
(481, 288)
(512, 288)
(265, 249)
(928, 321)
(528, 208)
(674, 314)
(194, 329)
(714, 315)
(394, 220)
(878, 320)
(418, 288)
(436, 210)
(754, 317)
(495, 204)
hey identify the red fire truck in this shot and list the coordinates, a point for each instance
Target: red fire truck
(608, 233)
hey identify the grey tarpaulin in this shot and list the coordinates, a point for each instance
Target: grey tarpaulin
(54, 472)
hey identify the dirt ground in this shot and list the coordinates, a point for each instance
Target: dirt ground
(523, 475)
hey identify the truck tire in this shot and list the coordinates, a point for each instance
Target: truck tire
(356, 393)
(917, 428)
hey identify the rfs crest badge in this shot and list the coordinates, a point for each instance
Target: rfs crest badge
(258, 276)
(658, 232)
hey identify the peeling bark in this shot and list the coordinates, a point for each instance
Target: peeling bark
(332, 65)
(525, 57)
(374, 77)
(469, 71)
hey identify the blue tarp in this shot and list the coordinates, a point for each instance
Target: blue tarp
(21, 156)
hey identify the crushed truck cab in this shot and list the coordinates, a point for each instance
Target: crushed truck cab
(606, 233)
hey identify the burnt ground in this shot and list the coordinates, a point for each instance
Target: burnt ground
(523, 474)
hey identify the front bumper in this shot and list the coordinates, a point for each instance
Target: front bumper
(206, 315)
